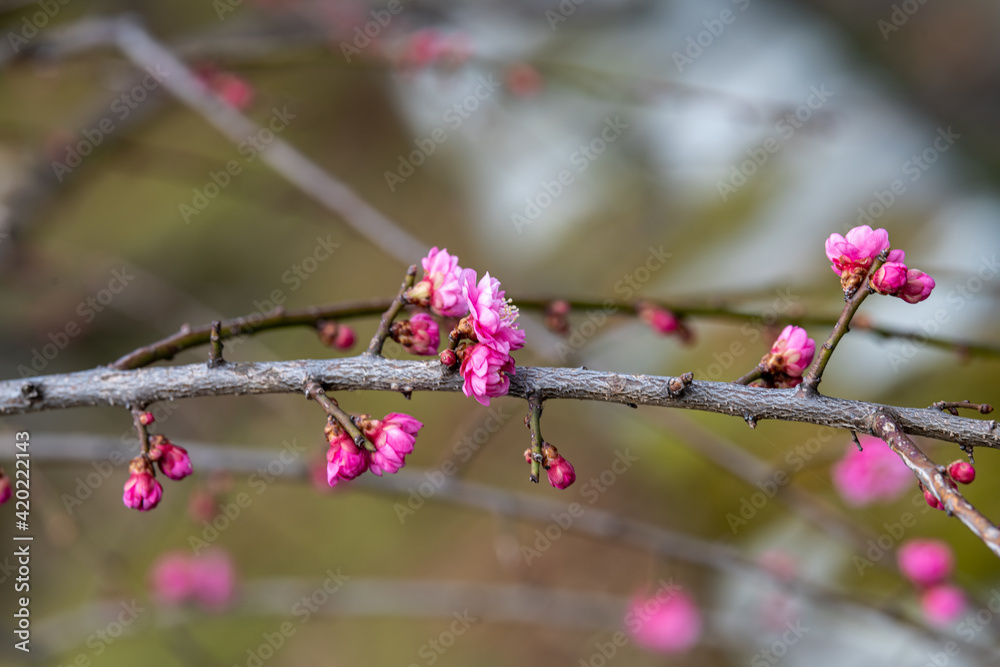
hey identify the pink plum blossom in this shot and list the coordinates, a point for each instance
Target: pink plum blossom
(173, 460)
(170, 577)
(873, 475)
(857, 250)
(440, 288)
(492, 317)
(667, 623)
(213, 579)
(660, 320)
(925, 562)
(485, 372)
(142, 491)
(791, 353)
(393, 437)
(942, 605)
(345, 460)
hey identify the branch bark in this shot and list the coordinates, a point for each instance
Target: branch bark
(106, 387)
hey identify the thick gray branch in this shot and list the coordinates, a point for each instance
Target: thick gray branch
(144, 386)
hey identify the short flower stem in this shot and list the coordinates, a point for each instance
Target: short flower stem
(378, 340)
(815, 375)
(140, 429)
(535, 425)
(755, 374)
(215, 351)
(315, 391)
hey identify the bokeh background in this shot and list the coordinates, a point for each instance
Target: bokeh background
(736, 137)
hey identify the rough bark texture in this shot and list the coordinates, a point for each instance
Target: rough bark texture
(144, 386)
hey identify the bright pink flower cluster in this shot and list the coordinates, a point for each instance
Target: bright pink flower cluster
(875, 474)
(392, 438)
(142, 491)
(928, 564)
(852, 256)
(491, 327)
(667, 622)
(789, 357)
(208, 579)
(5, 491)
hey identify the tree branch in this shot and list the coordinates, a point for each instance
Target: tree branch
(143, 386)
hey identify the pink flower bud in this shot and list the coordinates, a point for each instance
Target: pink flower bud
(791, 353)
(448, 358)
(393, 438)
(345, 460)
(233, 89)
(345, 337)
(925, 562)
(418, 335)
(917, 288)
(5, 490)
(146, 418)
(561, 473)
(668, 622)
(523, 80)
(889, 278)
(875, 474)
(942, 605)
(142, 491)
(932, 500)
(173, 460)
(962, 472)
(660, 320)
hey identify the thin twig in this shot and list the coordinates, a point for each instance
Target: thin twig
(378, 340)
(534, 423)
(215, 351)
(953, 407)
(314, 390)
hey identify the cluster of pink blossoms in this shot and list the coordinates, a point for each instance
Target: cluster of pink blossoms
(928, 564)
(142, 491)
(391, 439)
(852, 257)
(486, 334)
(208, 579)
